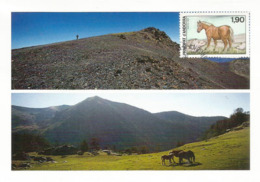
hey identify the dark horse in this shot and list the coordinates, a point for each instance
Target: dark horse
(167, 157)
(224, 33)
(175, 153)
(189, 155)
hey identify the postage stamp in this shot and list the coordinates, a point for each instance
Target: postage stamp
(214, 34)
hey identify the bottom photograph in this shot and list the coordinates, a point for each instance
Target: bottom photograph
(130, 131)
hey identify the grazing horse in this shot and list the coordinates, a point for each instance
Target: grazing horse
(175, 153)
(224, 33)
(189, 155)
(166, 157)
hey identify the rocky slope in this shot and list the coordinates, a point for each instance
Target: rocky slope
(240, 67)
(145, 59)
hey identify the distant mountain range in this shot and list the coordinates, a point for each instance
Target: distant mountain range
(114, 124)
(145, 59)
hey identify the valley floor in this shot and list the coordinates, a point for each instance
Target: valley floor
(230, 151)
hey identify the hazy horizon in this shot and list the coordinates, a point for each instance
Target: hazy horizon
(195, 104)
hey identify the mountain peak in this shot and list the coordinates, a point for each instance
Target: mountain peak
(156, 32)
(94, 99)
(150, 29)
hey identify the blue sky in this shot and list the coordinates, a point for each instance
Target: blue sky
(196, 104)
(29, 29)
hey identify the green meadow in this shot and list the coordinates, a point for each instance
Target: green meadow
(226, 152)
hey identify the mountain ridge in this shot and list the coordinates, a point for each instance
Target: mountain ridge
(145, 59)
(115, 124)
(174, 111)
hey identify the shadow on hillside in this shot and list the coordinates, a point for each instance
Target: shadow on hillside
(185, 164)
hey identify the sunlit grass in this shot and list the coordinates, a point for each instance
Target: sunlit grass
(228, 151)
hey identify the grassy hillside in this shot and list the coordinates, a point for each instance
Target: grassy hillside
(228, 151)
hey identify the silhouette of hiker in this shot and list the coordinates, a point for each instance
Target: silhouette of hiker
(77, 37)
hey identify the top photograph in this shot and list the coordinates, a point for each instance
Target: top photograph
(130, 50)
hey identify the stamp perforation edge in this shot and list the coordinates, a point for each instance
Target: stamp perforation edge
(183, 40)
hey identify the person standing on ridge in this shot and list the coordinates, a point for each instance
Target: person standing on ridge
(77, 37)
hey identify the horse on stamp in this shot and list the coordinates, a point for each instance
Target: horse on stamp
(224, 33)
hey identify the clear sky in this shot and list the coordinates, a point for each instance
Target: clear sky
(196, 104)
(29, 29)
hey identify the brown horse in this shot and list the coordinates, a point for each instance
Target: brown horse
(224, 33)
(189, 155)
(167, 157)
(175, 153)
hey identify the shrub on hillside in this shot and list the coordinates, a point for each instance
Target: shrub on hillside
(84, 146)
(220, 127)
(28, 143)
